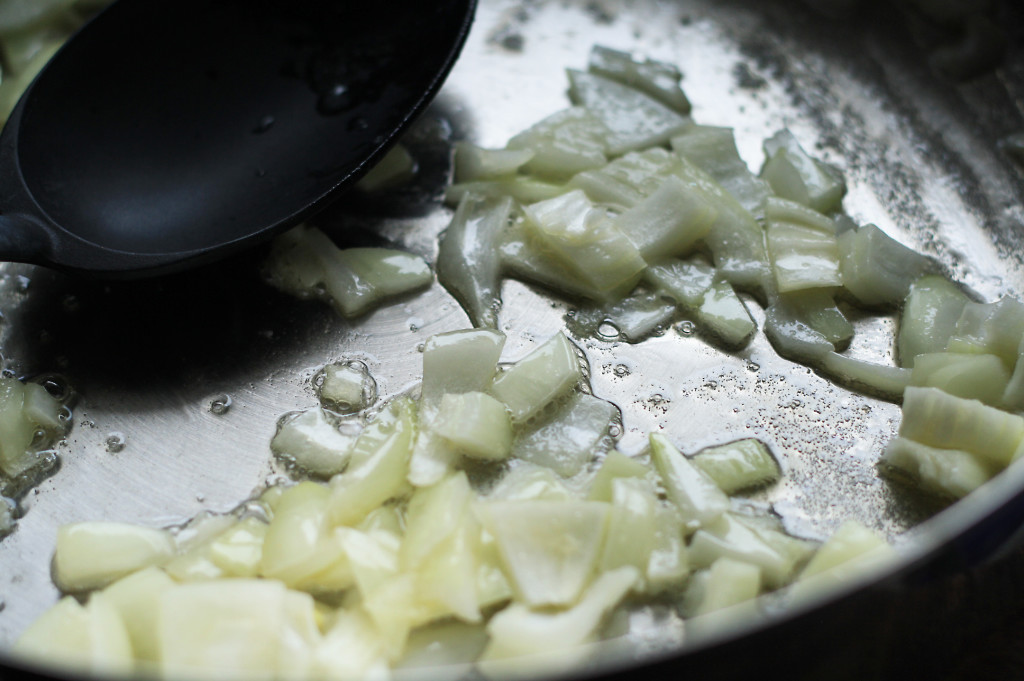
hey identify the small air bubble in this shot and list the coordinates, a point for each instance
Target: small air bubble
(200, 498)
(608, 331)
(220, 404)
(687, 328)
(614, 430)
(753, 366)
(621, 370)
(711, 385)
(115, 442)
(56, 386)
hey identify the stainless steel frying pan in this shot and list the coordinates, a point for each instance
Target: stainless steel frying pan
(922, 156)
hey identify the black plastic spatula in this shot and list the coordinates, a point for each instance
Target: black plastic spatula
(168, 133)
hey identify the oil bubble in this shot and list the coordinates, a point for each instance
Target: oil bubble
(220, 404)
(608, 331)
(116, 442)
(346, 387)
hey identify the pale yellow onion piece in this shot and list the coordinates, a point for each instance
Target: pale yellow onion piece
(135, 598)
(669, 222)
(882, 380)
(313, 443)
(635, 119)
(298, 542)
(928, 318)
(586, 241)
(396, 608)
(454, 362)
(91, 555)
(239, 549)
(68, 636)
(713, 150)
(802, 257)
(739, 465)
(851, 552)
(724, 316)
(448, 577)
(372, 556)
(469, 256)
(476, 424)
(968, 375)
(684, 281)
(625, 181)
(658, 79)
(669, 563)
(563, 144)
(449, 647)
(995, 327)
(359, 279)
(16, 431)
(567, 442)
(545, 374)
(877, 269)
(473, 162)
(433, 514)
(549, 548)
(43, 409)
(460, 362)
(937, 419)
(794, 175)
(736, 239)
(729, 583)
(351, 649)
(946, 472)
(727, 537)
(817, 308)
(379, 465)
(529, 481)
(346, 387)
(525, 643)
(631, 535)
(615, 465)
(236, 628)
(697, 496)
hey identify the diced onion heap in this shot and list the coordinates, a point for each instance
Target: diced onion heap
(487, 519)
(496, 503)
(644, 217)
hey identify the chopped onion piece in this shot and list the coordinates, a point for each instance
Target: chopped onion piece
(547, 373)
(564, 143)
(937, 419)
(549, 548)
(569, 440)
(91, 555)
(738, 465)
(946, 472)
(656, 78)
(469, 259)
(698, 498)
(636, 120)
